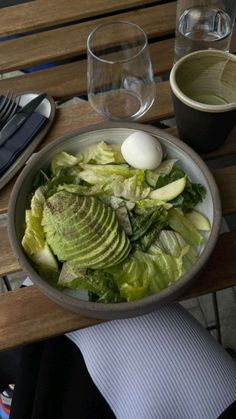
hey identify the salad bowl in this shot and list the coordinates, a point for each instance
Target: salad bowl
(113, 133)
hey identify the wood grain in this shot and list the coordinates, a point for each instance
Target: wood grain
(70, 80)
(228, 149)
(220, 271)
(43, 13)
(226, 180)
(9, 263)
(70, 41)
(28, 316)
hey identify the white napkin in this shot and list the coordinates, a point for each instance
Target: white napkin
(163, 365)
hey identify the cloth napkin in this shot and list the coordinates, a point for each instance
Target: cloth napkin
(157, 366)
(18, 142)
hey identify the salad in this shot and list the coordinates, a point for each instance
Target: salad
(118, 231)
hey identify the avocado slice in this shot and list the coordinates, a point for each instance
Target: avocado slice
(86, 232)
(120, 253)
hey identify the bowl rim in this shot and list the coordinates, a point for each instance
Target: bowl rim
(76, 304)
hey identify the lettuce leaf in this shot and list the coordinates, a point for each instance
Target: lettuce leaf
(163, 169)
(131, 189)
(100, 153)
(99, 283)
(38, 201)
(178, 222)
(143, 274)
(143, 204)
(37, 249)
(147, 226)
(173, 244)
(193, 194)
(82, 190)
(98, 173)
(62, 160)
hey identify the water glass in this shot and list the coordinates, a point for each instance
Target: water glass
(203, 24)
(120, 78)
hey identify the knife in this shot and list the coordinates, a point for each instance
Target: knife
(20, 117)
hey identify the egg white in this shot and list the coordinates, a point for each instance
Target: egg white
(142, 151)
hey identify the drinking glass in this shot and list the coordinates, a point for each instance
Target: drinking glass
(203, 24)
(119, 72)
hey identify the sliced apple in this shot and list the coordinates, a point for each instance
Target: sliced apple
(170, 191)
(199, 220)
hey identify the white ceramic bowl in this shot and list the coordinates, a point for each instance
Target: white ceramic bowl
(113, 133)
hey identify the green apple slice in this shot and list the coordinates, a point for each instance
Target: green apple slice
(199, 220)
(170, 191)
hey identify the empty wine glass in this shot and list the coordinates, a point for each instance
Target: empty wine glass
(119, 73)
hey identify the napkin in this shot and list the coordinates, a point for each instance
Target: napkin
(164, 364)
(18, 142)
(160, 365)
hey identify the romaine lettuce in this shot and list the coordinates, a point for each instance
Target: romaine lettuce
(100, 153)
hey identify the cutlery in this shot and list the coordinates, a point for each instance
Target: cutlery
(8, 107)
(19, 118)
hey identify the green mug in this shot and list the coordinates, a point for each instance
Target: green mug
(203, 86)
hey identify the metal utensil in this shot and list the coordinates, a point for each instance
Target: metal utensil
(19, 118)
(8, 107)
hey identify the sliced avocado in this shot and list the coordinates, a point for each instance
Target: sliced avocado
(91, 249)
(91, 260)
(52, 217)
(80, 245)
(73, 229)
(86, 232)
(120, 254)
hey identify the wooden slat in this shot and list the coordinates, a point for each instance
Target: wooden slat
(227, 149)
(28, 316)
(220, 271)
(9, 263)
(226, 180)
(43, 13)
(69, 80)
(71, 40)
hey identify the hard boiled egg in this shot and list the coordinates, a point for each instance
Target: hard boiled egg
(142, 151)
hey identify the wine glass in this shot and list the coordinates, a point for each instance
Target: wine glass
(120, 78)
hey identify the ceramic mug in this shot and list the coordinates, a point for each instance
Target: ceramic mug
(203, 86)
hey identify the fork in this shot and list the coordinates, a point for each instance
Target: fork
(8, 107)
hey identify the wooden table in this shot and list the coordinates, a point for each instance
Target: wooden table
(57, 30)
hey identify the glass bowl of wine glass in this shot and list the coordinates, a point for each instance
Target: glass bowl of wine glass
(120, 78)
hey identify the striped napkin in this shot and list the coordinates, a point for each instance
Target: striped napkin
(163, 365)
